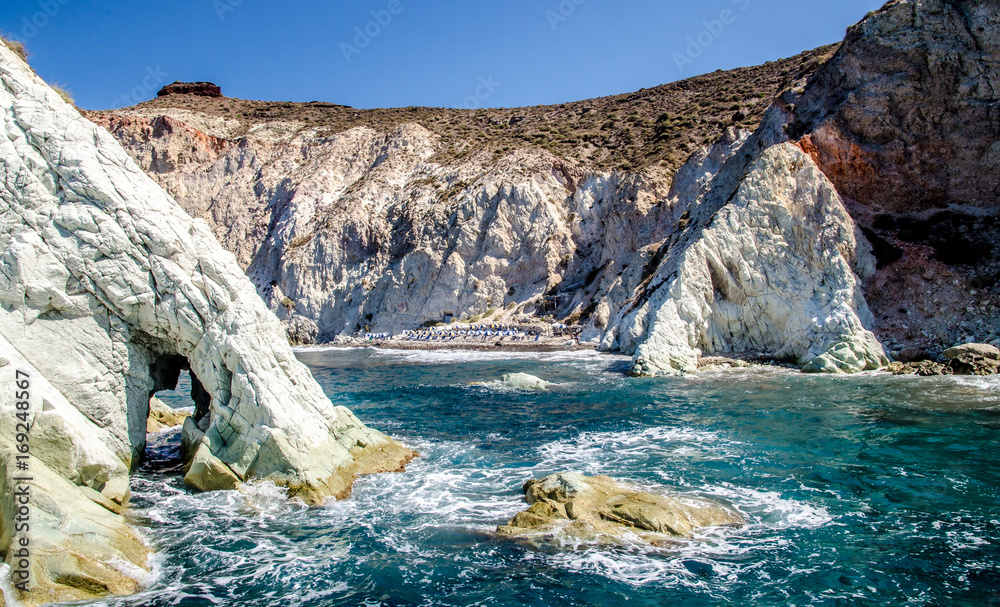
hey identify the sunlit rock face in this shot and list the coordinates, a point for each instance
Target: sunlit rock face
(768, 261)
(362, 241)
(108, 289)
(905, 121)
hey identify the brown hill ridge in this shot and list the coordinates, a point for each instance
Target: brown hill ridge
(660, 126)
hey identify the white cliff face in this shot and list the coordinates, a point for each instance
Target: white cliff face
(366, 231)
(108, 289)
(79, 542)
(768, 268)
(370, 231)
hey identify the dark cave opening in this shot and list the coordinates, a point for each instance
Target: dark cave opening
(178, 390)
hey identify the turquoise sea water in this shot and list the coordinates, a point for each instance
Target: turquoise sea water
(869, 490)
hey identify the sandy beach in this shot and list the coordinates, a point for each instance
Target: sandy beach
(494, 345)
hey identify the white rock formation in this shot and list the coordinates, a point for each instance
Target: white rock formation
(163, 417)
(768, 263)
(79, 487)
(108, 288)
(367, 231)
(523, 381)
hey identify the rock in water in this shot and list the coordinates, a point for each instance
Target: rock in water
(967, 359)
(162, 417)
(594, 508)
(108, 290)
(523, 381)
(979, 350)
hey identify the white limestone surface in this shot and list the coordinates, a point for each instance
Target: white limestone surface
(107, 287)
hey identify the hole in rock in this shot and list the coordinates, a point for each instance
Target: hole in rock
(176, 395)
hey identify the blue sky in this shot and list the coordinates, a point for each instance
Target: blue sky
(391, 53)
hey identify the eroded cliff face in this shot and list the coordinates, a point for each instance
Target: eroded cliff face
(905, 121)
(362, 230)
(366, 232)
(770, 261)
(109, 289)
(376, 229)
(904, 118)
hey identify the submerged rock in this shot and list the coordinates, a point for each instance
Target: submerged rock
(517, 381)
(109, 289)
(596, 508)
(523, 381)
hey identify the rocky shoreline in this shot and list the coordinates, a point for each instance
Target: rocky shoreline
(969, 359)
(110, 290)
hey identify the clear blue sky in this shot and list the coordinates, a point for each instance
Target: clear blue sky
(424, 52)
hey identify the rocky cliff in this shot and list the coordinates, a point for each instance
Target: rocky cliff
(769, 261)
(108, 290)
(905, 122)
(350, 221)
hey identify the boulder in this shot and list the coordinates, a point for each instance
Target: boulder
(964, 364)
(970, 364)
(523, 381)
(977, 350)
(600, 508)
(108, 290)
(163, 417)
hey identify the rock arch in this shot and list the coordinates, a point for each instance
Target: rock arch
(105, 284)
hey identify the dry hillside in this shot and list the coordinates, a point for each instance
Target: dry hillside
(656, 126)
